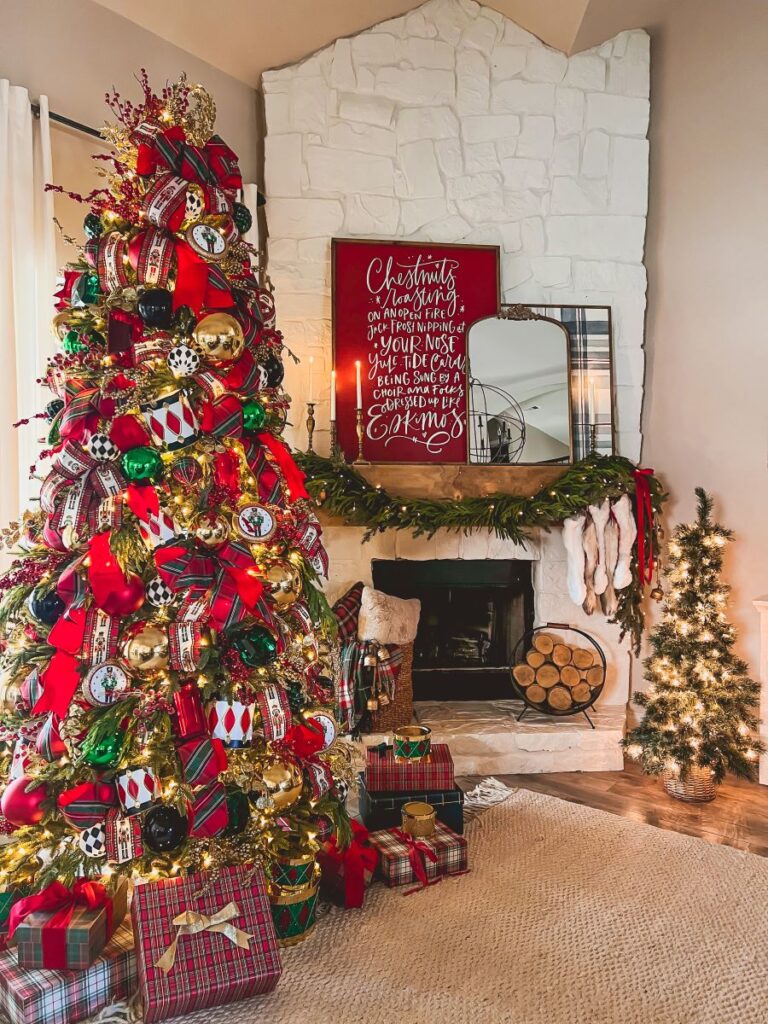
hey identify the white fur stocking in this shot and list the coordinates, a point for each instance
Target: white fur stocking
(589, 540)
(600, 514)
(625, 517)
(573, 529)
(609, 599)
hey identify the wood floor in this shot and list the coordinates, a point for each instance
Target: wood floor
(737, 817)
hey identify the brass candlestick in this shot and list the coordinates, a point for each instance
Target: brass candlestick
(360, 429)
(310, 425)
(593, 437)
(334, 441)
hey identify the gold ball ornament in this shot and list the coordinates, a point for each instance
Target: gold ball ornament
(211, 530)
(283, 582)
(146, 651)
(281, 783)
(60, 325)
(219, 337)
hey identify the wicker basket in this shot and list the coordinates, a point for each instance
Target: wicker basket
(400, 710)
(696, 787)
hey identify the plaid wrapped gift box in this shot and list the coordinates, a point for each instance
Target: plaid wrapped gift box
(224, 921)
(63, 997)
(383, 810)
(383, 773)
(395, 867)
(71, 937)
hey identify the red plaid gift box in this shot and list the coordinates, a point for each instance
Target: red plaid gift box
(66, 929)
(63, 997)
(384, 773)
(346, 873)
(402, 860)
(183, 926)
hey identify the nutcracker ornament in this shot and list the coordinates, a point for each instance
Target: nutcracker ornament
(161, 625)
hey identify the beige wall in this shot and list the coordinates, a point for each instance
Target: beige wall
(705, 418)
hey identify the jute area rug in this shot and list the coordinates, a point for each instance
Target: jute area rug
(569, 916)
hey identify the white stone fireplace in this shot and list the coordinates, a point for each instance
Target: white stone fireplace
(453, 124)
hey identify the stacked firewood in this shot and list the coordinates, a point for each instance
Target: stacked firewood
(557, 675)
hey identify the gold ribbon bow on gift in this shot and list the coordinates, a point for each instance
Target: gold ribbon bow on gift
(190, 923)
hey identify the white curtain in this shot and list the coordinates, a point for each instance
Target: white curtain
(27, 283)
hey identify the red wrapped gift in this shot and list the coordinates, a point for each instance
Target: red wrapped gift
(404, 860)
(346, 873)
(66, 929)
(384, 773)
(183, 926)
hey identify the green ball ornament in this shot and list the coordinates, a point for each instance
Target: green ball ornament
(256, 646)
(142, 464)
(239, 812)
(73, 343)
(241, 215)
(254, 415)
(92, 225)
(86, 290)
(106, 752)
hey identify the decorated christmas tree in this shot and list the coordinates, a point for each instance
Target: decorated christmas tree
(167, 653)
(699, 720)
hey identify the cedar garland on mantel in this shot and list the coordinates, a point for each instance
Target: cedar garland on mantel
(343, 492)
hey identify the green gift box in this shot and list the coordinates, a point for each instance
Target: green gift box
(70, 936)
(7, 899)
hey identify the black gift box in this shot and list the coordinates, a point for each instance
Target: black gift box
(383, 809)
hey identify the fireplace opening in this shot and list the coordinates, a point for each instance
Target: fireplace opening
(473, 612)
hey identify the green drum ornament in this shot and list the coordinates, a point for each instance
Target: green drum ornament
(293, 871)
(254, 415)
(412, 743)
(256, 646)
(293, 913)
(140, 464)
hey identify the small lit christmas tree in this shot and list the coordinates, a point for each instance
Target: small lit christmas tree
(700, 717)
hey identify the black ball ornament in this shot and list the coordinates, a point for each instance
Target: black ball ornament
(164, 829)
(241, 215)
(92, 225)
(53, 409)
(46, 607)
(156, 308)
(274, 369)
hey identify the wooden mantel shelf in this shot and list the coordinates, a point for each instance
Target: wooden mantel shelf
(406, 480)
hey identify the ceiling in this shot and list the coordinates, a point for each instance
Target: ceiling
(246, 37)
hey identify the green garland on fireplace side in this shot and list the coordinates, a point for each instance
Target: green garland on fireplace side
(339, 488)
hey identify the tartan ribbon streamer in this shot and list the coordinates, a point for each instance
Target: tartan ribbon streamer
(202, 760)
(208, 813)
(75, 483)
(229, 579)
(190, 922)
(351, 867)
(644, 524)
(88, 803)
(211, 164)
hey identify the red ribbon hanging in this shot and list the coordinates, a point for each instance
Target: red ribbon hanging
(58, 898)
(644, 513)
(349, 865)
(61, 676)
(104, 573)
(294, 478)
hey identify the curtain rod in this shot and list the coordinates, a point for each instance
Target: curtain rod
(61, 119)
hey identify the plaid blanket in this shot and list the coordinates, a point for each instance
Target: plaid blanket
(358, 681)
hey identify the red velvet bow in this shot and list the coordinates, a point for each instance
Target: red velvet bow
(61, 676)
(418, 854)
(58, 898)
(350, 865)
(644, 509)
(304, 740)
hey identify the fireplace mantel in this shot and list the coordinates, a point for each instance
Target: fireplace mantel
(409, 480)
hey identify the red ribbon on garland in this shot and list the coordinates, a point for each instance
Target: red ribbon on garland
(62, 901)
(644, 512)
(347, 868)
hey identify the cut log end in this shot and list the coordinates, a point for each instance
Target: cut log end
(595, 676)
(543, 642)
(536, 694)
(582, 658)
(559, 698)
(570, 675)
(535, 658)
(548, 675)
(561, 654)
(581, 693)
(524, 674)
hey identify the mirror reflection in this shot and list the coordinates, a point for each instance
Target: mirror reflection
(519, 396)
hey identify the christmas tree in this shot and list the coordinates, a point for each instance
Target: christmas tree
(700, 705)
(167, 653)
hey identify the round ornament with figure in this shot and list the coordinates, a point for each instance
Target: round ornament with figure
(255, 523)
(207, 241)
(105, 684)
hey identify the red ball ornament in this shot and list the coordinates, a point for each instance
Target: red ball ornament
(126, 598)
(20, 807)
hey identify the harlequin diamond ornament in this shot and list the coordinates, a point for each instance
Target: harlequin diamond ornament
(101, 448)
(183, 361)
(136, 789)
(231, 722)
(93, 841)
(158, 593)
(171, 421)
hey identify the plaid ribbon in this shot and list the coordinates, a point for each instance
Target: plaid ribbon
(212, 164)
(208, 812)
(275, 711)
(347, 612)
(447, 855)
(76, 482)
(151, 255)
(268, 482)
(88, 803)
(202, 760)
(111, 261)
(49, 744)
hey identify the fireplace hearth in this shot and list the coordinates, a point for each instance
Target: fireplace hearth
(472, 614)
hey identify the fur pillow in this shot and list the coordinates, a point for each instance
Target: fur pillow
(390, 620)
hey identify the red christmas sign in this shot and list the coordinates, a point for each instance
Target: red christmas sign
(402, 309)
